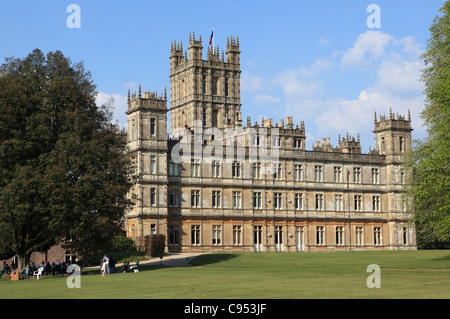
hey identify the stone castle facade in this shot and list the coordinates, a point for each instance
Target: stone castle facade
(255, 187)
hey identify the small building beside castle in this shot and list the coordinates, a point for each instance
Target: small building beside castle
(212, 184)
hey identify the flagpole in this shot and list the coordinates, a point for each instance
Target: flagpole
(213, 38)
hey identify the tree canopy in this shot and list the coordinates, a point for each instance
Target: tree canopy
(63, 173)
(428, 165)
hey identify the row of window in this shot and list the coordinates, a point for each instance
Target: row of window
(401, 144)
(298, 202)
(298, 175)
(216, 238)
(133, 129)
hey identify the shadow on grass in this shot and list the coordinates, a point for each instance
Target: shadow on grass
(210, 259)
(443, 258)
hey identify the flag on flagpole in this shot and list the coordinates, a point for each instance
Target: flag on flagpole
(211, 39)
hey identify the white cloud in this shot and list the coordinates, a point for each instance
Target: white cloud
(395, 73)
(265, 98)
(368, 47)
(400, 77)
(119, 106)
(323, 42)
(251, 82)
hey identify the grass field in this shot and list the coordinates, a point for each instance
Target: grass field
(337, 275)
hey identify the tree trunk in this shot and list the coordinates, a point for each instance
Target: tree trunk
(23, 261)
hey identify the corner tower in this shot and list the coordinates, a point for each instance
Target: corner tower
(147, 151)
(393, 134)
(204, 90)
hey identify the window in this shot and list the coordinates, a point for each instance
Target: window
(277, 201)
(216, 234)
(277, 171)
(257, 235)
(376, 203)
(297, 143)
(257, 141)
(226, 86)
(401, 144)
(357, 175)
(338, 204)
(339, 235)
(174, 235)
(70, 256)
(337, 174)
(276, 141)
(236, 169)
(297, 172)
(214, 87)
(257, 200)
(152, 127)
(405, 235)
(133, 129)
(358, 202)
(382, 145)
(173, 168)
(152, 229)
(318, 173)
(298, 201)
(195, 198)
(375, 178)
(204, 84)
(402, 178)
(319, 201)
(216, 199)
(320, 235)
(173, 198)
(152, 196)
(195, 235)
(204, 117)
(195, 168)
(152, 164)
(377, 236)
(278, 235)
(359, 236)
(236, 199)
(215, 169)
(237, 235)
(256, 170)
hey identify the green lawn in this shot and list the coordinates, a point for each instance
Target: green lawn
(404, 274)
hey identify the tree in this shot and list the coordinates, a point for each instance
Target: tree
(428, 164)
(63, 173)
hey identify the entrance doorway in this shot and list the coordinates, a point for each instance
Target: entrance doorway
(257, 238)
(299, 241)
(279, 238)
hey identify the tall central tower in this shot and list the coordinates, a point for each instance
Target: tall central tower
(204, 90)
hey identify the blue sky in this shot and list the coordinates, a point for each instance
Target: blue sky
(316, 60)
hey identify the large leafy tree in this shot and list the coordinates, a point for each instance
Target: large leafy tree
(62, 165)
(428, 164)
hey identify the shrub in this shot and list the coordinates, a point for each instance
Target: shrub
(153, 245)
(157, 245)
(123, 243)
